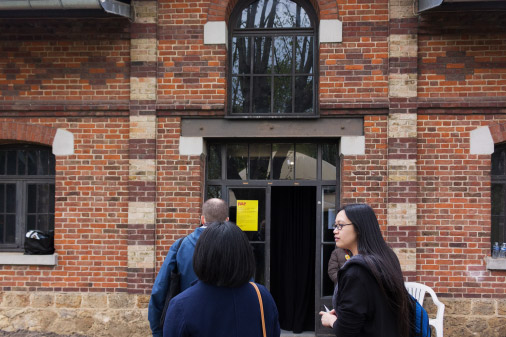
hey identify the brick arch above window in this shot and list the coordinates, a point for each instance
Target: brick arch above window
(60, 140)
(220, 10)
(498, 132)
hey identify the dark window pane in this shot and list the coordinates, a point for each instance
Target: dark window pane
(237, 161)
(260, 161)
(303, 94)
(329, 161)
(282, 94)
(51, 197)
(43, 164)
(2, 228)
(42, 222)
(304, 55)
(11, 162)
(52, 164)
(3, 160)
(213, 192)
(306, 159)
(259, 253)
(498, 199)
(10, 205)
(283, 55)
(22, 162)
(50, 222)
(261, 95)
(43, 198)
(214, 162)
(283, 161)
(273, 14)
(32, 161)
(10, 228)
(31, 222)
(328, 212)
(262, 62)
(32, 198)
(241, 55)
(241, 94)
(2, 198)
(498, 159)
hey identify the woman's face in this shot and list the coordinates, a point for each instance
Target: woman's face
(345, 238)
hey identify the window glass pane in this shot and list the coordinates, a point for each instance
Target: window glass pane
(262, 60)
(237, 161)
(327, 284)
(273, 14)
(283, 54)
(42, 165)
(214, 162)
(21, 162)
(213, 192)
(328, 212)
(2, 228)
(10, 204)
(32, 161)
(241, 94)
(497, 199)
(282, 94)
(43, 198)
(10, 228)
(241, 55)
(259, 253)
(11, 162)
(51, 164)
(32, 198)
(306, 159)
(261, 95)
(329, 160)
(303, 93)
(256, 234)
(260, 161)
(2, 198)
(3, 159)
(31, 222)
(283, 161)
(304, 55)
(51, 197)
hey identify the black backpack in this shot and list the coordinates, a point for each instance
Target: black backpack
(39, 242)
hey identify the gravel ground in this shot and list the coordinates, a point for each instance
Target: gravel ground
(26, 333)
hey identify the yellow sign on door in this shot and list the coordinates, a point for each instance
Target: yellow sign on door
(247, 215)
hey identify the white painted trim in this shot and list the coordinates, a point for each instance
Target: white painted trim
(352, 145)
(481, 141)
(215, 32)
(63, 143)
(28, 260)
(331, 31)
(191, 146)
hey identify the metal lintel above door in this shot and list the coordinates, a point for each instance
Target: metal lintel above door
(320, 128)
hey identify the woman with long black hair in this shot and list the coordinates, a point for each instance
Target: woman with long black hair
(370, 298)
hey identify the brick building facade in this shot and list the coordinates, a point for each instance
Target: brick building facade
(413, 102)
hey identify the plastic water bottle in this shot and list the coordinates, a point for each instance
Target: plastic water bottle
(495, 250)
(502, 253)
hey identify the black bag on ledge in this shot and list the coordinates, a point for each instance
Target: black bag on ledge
(39, 242)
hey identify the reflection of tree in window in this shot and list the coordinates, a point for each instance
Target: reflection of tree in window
(277, 76)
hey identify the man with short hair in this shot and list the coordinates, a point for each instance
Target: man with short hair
(181, 252)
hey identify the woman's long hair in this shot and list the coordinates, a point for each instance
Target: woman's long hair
(382, 262)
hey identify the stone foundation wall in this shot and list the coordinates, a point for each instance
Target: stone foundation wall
(89, 314)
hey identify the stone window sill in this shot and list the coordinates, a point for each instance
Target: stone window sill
(29, 260)
(495, 264)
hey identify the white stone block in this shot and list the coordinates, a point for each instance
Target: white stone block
(63, 143)
(331, 31)
(481, 141)
(191, 146)
(215, 32)
(352, 145)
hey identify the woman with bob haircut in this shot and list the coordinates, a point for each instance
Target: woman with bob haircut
(222, 302)
(370, 299)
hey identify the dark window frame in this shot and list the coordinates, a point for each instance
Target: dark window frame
(269, 32)
(21, 183)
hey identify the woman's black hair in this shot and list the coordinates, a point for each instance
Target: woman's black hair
(223, 256)
(382, 261)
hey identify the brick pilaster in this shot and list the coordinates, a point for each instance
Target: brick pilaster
(402, 135)
(142, 149)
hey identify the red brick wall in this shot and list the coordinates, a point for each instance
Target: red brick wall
(464, 58)
(64, 60)
(454, 209)
(179, 188)
(91, 211)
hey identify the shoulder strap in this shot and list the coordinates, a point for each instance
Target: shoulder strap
(177, 249)
(261, 307)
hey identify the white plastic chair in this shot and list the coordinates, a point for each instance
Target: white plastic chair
(418, 290)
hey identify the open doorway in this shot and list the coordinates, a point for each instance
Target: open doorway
(292, 272)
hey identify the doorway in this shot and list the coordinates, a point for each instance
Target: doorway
(292, 274)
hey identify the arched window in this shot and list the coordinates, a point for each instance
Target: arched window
(27, 193)
(498, 194)
(273, 58)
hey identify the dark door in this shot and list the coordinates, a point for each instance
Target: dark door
(293, 234)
